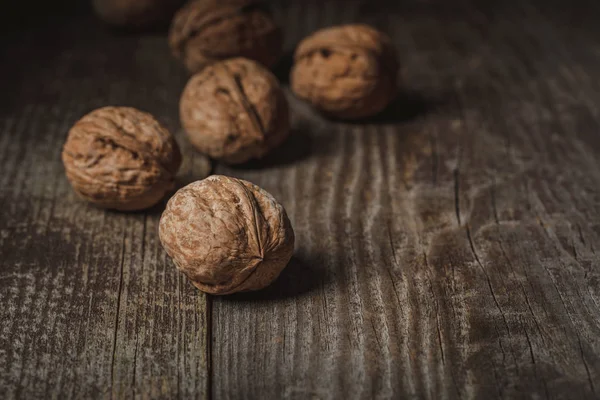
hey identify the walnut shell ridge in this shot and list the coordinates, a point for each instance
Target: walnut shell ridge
(135, 13)
(234, 111)
(206, 31)
(227, 235)
(348, 71)
(121, 158)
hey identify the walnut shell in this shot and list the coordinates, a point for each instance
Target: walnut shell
(227, 235)
(347, 71)
(205, 31)
(121, 158)
(234, 111)
(136, 13)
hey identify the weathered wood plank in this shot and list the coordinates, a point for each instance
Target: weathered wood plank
(444, 250)
(91, 305)
(449, 255)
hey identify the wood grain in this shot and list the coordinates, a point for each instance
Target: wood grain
(92, 307)
(446, 249)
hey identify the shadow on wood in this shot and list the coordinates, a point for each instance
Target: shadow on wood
(407, 106)
(298, 278)
(284, 67)
(297, 147)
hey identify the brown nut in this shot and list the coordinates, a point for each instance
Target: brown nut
(136, 13)
(234, 111)
(227, 235)
(348, 71)
(121, 158)
(205, 31)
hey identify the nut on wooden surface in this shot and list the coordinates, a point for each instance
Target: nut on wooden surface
(347, 71)
(121, 158)
(135, 13)
(205, 31)
(234, 111)
(227, 235)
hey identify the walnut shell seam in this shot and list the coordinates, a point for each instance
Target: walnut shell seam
(246, 104)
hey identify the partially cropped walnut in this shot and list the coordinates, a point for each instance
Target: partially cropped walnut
(136, 13)
(205, 31)
(234, 111)
(121, 158)
(347, 71)
(227, 235)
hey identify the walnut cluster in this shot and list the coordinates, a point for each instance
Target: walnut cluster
(348, 72)
(205, 31)
(234, 111)
(135, 13)
(121, 158)
(227, 235)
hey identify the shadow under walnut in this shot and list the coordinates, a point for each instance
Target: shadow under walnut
(302, 276)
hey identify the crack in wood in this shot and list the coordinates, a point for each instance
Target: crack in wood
(116, 324)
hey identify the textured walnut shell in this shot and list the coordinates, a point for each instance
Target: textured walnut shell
(206, 31)
(347, 71)
(234, 111)
(121, 158)
(227, 235)
(136, 13)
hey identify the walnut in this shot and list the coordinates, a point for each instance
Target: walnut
(121, 158)
(348, 71)
(234, 111)
(205, 31)
(227, 235)
(136, 13)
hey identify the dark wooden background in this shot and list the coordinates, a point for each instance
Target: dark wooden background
(446, 249)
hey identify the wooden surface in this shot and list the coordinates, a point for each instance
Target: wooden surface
(446, 249)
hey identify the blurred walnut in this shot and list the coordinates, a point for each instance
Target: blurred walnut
(121, 158)
(136, 13)
(234, 111)
(205, 31)
(227, 235)
(347, 71)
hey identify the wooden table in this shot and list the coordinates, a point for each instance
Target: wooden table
(446, 249)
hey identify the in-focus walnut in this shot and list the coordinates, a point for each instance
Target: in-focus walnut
(227, 235)
(205, 31)
(234, 111)
(136, 13)
(348, 71)
(121, 158)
